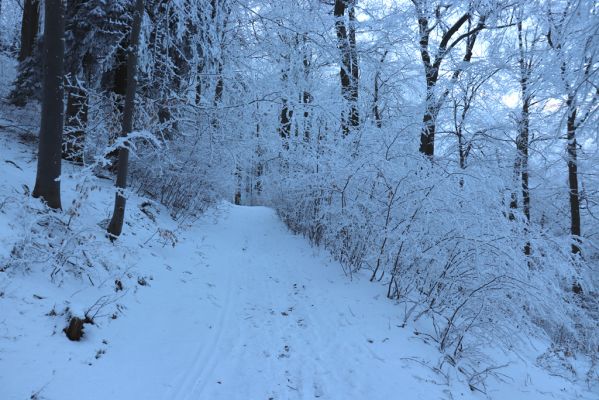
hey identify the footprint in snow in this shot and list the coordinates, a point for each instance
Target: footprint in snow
(285, 354)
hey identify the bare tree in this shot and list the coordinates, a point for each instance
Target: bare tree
(581, 93)
(116, 223)
(349, 71)
(376, 108)
(527, 44)
(47, 183)
(432, 62)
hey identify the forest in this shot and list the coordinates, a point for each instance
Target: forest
(445, 153)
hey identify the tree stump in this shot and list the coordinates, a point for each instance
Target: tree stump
(75, 329)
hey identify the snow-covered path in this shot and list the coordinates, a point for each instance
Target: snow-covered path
(240, 308)
(264, 317)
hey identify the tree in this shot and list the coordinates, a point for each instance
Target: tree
(79, 62)
(47, 183)
(116, 223)
(349, 71)
(576, 52)
(29, 70)
(29, 28)
(527, 46)
(432, 62)
(376, 108)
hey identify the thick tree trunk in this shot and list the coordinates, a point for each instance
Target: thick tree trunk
(429, 122)
(118, 216)
(47, 183)
(29, 28)
(575, 228)
(118, 85)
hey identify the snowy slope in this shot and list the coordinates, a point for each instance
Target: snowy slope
(239, 308)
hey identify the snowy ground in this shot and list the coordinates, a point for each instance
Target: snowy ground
(239, 308)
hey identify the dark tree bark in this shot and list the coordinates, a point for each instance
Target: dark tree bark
(119, 79)
(575, 225)
(118, 85)
(118, 216)
(522, 141)
(576, 117)
(29, 28)
(354, 116)
(220, 10)
(377, 84)
(47, 185)
(219, 6)
(26, 85)
(285, 120)
(349, 72)
(306, 95)
(302, 98)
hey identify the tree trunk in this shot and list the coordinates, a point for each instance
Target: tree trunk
(219, 15)
(349, 71)
(118, 85)
(522, 148)
(377, 85)
(432, 67)
(29, 28)
(354, 117)
(1, 42)
(218, 94)
(429, 122)
(47, 183)
(575, 229)
(522, 142)
(285, 120)
(116, 223)
(26, 85)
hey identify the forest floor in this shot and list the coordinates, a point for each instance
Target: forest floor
(229, 306)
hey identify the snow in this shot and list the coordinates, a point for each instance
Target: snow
(238, 308)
